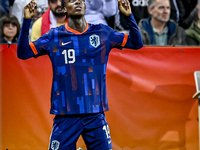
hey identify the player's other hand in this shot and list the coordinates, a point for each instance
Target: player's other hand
(124, 7)
(30, 10)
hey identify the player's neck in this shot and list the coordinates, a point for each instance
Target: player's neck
(77, 24)
(61, 20)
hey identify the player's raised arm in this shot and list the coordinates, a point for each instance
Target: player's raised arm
(30, 10)
(124, 7)
(134, 39)
(24, 51)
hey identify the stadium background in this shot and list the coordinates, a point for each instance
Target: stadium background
(150, 97)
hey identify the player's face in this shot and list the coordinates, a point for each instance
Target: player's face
(161, 11)
(56, 7)
(75, 8)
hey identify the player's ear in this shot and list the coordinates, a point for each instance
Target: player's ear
(64, 9)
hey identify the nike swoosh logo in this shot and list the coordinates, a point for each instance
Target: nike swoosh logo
(109, 142)
(66, 43)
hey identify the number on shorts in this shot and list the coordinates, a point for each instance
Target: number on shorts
(107, 130)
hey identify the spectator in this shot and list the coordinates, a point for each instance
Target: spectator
(184, 12)
(139, 10)
(10, 29)
(158, 29)
(192, 34)
(52, 18)
(18, 8)
(98, 10)
(4, 7)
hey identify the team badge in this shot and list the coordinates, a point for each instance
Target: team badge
(94, 40)
(55, 145)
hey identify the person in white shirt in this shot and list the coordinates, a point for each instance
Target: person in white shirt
(18, 7)
(97, 10)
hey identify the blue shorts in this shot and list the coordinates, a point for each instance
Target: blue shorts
(93, 128)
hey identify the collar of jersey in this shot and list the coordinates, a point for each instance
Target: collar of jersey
(74, 31)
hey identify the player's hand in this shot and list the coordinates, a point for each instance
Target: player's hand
(124, 7)
(30, 10)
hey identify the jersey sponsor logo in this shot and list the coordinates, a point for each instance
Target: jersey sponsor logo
(94, 40)
(63, 44)
(55, 145)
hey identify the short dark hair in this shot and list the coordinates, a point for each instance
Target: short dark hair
(8, 18)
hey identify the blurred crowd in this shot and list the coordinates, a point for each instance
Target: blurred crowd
(161, 22)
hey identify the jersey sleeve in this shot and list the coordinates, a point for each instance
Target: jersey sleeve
(133, 40)
(27, 50)
(24, 51)
(41, 45)
(117, 40)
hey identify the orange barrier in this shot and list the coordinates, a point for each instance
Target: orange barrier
(149, 91)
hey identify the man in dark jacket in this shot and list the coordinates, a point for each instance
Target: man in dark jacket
(184, 12)
(158, 29)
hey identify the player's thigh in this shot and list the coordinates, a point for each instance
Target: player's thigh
(98, 138)
(65, 133)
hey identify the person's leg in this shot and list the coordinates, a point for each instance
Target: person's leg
(65, 133)
(96, 133)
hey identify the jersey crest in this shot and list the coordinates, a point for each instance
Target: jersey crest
(55, 145)
(94, 40)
